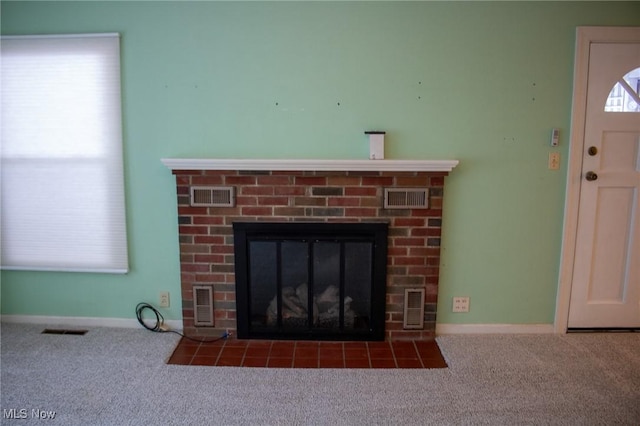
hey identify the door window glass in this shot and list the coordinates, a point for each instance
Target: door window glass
(624, 96)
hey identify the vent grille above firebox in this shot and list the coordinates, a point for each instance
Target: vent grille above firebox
(406, 198)
(212, 196)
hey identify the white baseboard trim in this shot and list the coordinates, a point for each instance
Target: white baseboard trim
(81, 322)
(442, 329)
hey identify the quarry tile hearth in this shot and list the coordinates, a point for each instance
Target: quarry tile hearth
(307, 354)
(283, 194)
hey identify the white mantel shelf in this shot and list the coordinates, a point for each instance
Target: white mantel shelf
(310, 165)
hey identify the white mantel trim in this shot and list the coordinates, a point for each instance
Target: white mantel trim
(310, 165)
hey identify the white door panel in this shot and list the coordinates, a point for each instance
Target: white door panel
(605, 290)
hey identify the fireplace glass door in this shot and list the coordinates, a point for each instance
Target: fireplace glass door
(310, 281)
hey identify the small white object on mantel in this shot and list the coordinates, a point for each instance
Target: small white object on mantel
(309, 165)
(376, 144)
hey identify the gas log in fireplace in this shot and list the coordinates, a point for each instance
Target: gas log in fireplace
(308, 280)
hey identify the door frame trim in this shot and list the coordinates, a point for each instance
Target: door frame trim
(585, 36)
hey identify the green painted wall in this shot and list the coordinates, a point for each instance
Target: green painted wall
(481, 82)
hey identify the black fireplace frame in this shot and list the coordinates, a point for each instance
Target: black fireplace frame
(374, 232)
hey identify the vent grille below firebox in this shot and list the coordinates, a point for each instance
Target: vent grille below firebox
(203, 305)
(212, 196)
(406, 198)
(413, 308)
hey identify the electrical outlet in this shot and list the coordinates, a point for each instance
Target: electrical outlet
(460, 304)
(164, 299)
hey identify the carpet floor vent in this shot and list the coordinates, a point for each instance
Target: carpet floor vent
(604, 330)
(64, 331)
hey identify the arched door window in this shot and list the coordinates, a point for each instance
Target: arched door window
(625, 94)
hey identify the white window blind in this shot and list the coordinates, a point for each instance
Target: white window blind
(61, 156)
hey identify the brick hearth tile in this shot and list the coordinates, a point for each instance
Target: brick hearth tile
(204, 360)
(183, 350)
(404, 350)
(383, 363)
(232, 352)
(432, 356)
(208, 351)
(434, 363)
(409, 363)
(282, 349)
(428, 350)
(357, 362)
(354, 345)
(305, 363)
(259, 343)
(254, 361)
(305, 352)
(331, 352)
(229, 361)
(378, 345)
(356, 353)
(188, 342)
(307, 344)
(331, 362)
(180, 359)
(234, 343)
(331, 344)
(381, 353)
(280, 362)
(257, 351)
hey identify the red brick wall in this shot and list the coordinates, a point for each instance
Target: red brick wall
(206, 234)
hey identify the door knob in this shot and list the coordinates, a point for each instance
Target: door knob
(591, 176)
(592, 150)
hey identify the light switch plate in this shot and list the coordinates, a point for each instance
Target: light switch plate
(554, 160)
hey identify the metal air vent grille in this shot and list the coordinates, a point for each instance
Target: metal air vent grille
(203, 305)
(406, 198)
(213, 196)
(413, 308)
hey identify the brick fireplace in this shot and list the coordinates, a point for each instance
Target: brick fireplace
(309, 191)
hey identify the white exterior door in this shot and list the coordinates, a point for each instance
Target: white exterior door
(605, 284)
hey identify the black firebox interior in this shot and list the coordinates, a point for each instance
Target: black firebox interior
(310, 281)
